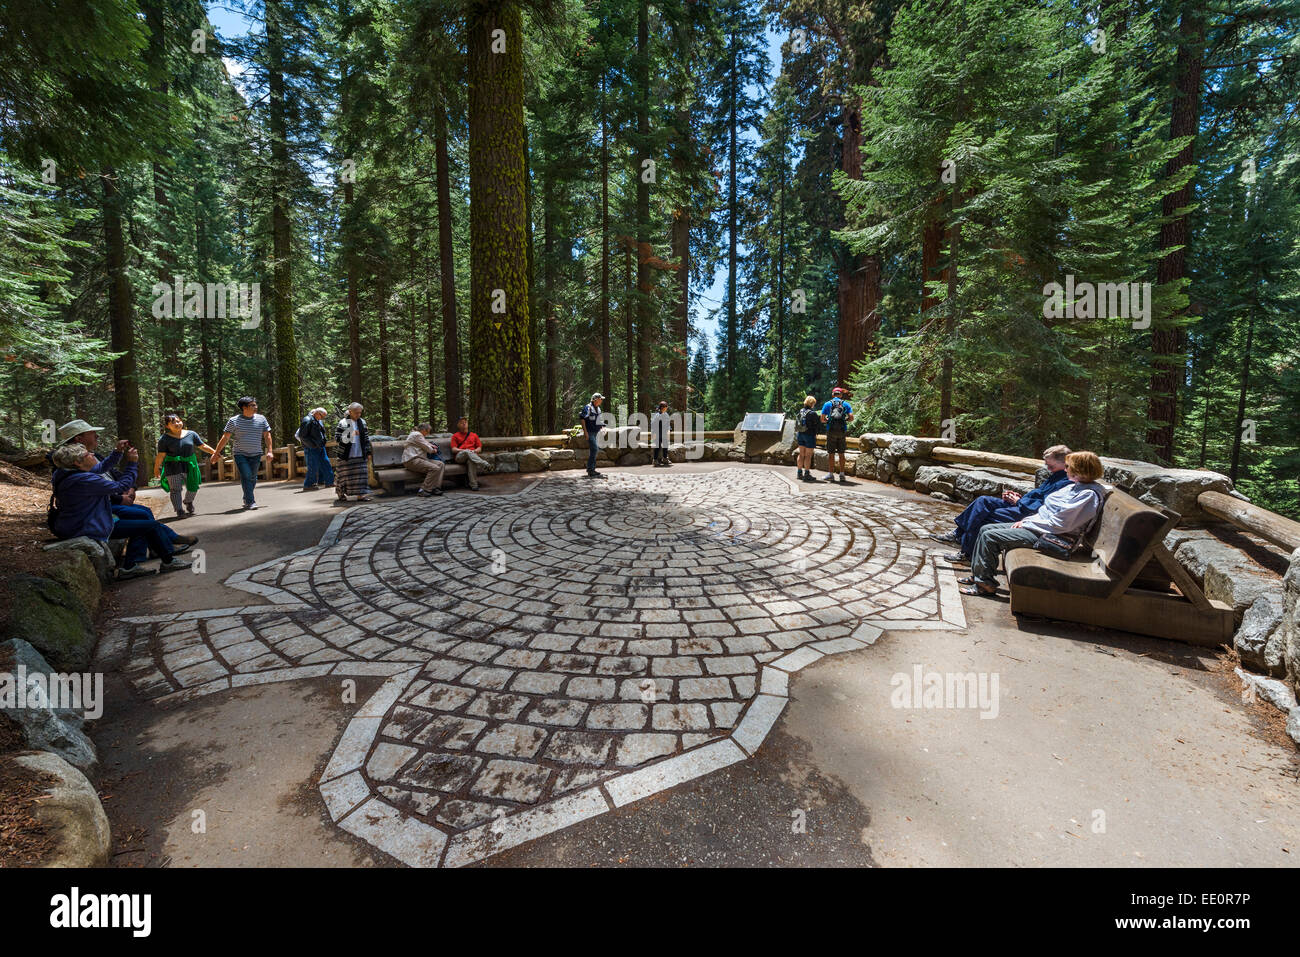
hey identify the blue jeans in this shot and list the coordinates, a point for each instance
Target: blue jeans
(592, 450)
(143, 535)
(319, 470)
(137, 548)
(248, 466)
(985, 510)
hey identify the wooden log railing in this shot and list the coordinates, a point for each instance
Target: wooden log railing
(1013, 463)
(1268, 525)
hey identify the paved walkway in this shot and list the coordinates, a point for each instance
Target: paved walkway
(557, 652)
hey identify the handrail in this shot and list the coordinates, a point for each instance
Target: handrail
(1275, 528)
(1015, 463)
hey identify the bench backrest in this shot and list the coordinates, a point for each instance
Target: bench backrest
(1128, 533)
(388, 455)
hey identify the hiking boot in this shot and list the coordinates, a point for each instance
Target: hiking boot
(947, 538)
(135, 571)
(808, 477)
(175, 565)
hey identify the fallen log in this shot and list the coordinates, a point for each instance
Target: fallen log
(1268, 525)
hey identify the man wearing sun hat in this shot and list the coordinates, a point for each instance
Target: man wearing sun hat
(123, 506)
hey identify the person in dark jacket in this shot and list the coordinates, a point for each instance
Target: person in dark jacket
(124, 507)
(591, 423)
(353, 450)
(1011, 506)
(83, 493)
(311, 433)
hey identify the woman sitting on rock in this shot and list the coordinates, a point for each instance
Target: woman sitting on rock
(83, 494)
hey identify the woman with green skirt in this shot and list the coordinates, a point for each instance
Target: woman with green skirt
(177, 463)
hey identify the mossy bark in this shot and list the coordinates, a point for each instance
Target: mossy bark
(500, 377)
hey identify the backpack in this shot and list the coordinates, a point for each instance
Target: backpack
(807, 421)
(1058, 546)
(836, 418)
(52, 510)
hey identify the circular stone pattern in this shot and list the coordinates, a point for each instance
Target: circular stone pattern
(548, 641)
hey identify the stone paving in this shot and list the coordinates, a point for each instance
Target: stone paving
(557, 652)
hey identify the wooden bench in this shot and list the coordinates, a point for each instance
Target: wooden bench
(1130, 582)
(386, 467)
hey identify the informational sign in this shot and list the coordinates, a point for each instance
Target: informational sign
(763, 422)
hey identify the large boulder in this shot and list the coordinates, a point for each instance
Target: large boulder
(70, 809)
(913, 447)
(533, 460)
(101, 557)
(905, 468)
(865, 466)
(504, 463)
(972, 483)
(77, 572)
(44, 728)
(878, 440)
(1226, 575)
(935, 478)
(1290, 626)
(1175, 489)
(1259, 640)
(48, 615)
(635, 457)
(885, 470)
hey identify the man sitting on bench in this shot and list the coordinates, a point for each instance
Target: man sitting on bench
(1067, 514)
(419, 455)
(1011, 506)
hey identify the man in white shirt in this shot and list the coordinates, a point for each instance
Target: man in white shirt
(1067, 513)
(421, 456)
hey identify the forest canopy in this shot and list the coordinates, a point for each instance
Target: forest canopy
(1009, 223)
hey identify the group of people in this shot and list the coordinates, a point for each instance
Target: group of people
(94, 496)
(1056, 517)
(833, 418)
(660, 433)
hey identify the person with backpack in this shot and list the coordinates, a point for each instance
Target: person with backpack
(1066, 517)
(590, 416)
(82, 506)
(660, 423)
(176, 465)
(806, 426)
(353, 440)
(836, 416)
(311, 433)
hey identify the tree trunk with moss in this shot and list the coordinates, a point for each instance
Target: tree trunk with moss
(500, 381)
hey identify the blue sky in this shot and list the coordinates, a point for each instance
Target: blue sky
(230, 22)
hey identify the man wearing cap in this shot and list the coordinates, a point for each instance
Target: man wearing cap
(836, 416)
(591, 423)
(122, 505)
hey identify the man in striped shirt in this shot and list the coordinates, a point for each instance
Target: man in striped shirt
(248, 434)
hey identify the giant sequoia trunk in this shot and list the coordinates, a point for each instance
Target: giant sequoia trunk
(1167, 341)
(450, 328)
(548, 306)
(605, 360)
(121, 322)
(645, 334)
(500, 381)
(286, 348)
(172, 326)
(859, 277)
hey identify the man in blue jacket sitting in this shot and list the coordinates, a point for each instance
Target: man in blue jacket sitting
(1011, 506)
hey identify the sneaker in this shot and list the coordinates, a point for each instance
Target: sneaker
(181, 549)
(830, 477)
(189, 508)
(947, 538)
(599, 475)
(808, 477)
(422, 493)
(363, 498)
(843, 480)
(474, 488)
(135, 571)
(175, 565)
(957, 558)
(188, 539)
(437, 491)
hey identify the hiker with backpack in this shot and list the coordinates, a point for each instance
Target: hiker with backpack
(836, 416)
(82, 506)
(1059, 527)
(806, 426)
(311, 433)
(592, 425)
(176, 466)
